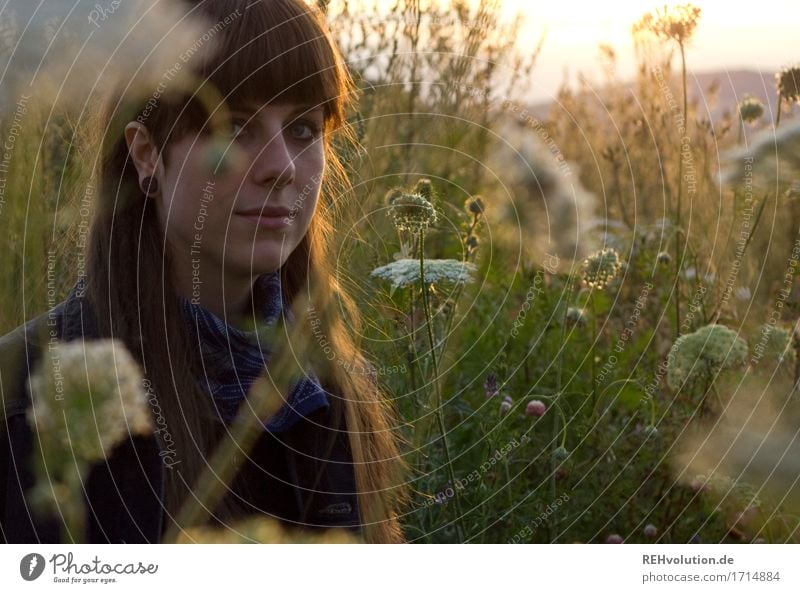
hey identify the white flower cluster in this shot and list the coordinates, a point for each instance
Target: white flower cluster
(406, 272)
(86, 398)
(771, 159)
(702, 354)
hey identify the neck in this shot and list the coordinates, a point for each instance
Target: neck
(227, 296)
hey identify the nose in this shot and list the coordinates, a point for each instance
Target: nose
(274, 164)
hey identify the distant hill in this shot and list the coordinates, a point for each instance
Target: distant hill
(733, 85)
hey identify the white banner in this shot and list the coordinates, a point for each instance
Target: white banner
(351, 568)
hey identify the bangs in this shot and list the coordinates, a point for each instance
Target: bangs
(276, 52)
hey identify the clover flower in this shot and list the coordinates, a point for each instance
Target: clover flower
(411, 212)
(406, 272)
(750, 109)
(600, 268)
(650, 531)
(701, 354)
(614, 538)
(535, 408)
(506, 405)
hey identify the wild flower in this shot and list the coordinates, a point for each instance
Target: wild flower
(576, 316)
(406, 272)
(663, 258)
(614, 538)
(787, 82)
(750, 109)
(535, 408)
(560, 454)
(650, 531)
(675, 23)
(490, 386)
(600, 268)
(87, 397)
(769, 162)
(743, 293)
(774, 343)
(755, 441)
(650, 431)
(411, 212)
(539, 197)
(505, 406)
(475, 205)
(700, 355)
(121, 50)
(424, 188)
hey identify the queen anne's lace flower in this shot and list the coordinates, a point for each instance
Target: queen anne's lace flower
(702, 354)
(405, 272)
(769, 162)
(87, 397)
(411, 212)
(774, 343)
(600, 268)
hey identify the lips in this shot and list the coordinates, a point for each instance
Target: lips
(269, 217)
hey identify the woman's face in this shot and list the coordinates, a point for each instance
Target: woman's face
(247, 218)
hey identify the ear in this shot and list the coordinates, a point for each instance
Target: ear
(144, 152)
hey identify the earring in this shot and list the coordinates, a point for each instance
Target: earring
(149, 186)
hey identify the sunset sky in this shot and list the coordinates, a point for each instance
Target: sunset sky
(732, 35)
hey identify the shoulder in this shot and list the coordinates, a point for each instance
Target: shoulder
(19, 352)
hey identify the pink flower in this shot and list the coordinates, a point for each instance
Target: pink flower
(614, 539)
(535, 408)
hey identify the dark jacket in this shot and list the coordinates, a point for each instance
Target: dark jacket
(125, 493)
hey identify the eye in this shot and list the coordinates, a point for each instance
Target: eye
(239, 127)
(304, 129)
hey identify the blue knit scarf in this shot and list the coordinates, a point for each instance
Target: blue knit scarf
(234, 358)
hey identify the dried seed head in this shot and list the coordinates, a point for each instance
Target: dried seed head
(750, 109)
(788, 83)
(424, 188)
(475, 205)
(600, 268)
(664, 258)
(412, 212)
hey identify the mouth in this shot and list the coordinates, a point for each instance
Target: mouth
(269, 217)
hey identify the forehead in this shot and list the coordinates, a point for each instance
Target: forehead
(282, 107)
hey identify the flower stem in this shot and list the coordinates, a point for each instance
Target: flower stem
(437, 388)
(593, 351)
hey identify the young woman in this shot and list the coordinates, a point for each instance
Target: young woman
(190, 236)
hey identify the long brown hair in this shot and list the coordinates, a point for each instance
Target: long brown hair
(274, 50)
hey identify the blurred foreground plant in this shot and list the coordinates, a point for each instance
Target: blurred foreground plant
(87, 397)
